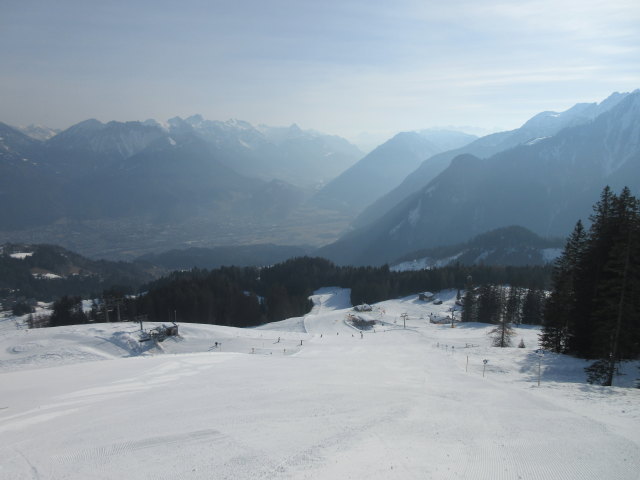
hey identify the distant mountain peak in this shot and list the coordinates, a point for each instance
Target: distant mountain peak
(195, 119)
(39, 132)
(545, 184)
(88, 125)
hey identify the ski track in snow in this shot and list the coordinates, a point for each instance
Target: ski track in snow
(395, 404)
(103, 454)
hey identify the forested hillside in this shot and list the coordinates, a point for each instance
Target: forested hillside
(46, 272)
(250, 296)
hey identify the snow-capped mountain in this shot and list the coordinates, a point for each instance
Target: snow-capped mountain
(38, 132)
(545, 186)
(301, 157)
(98, 183)
(14, 143)
(542, 125)
(113, 139)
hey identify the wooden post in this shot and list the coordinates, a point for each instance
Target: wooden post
(540, 353)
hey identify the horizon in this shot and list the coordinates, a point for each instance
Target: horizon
(341, 68)
(366, 141)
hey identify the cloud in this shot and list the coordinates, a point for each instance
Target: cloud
(338, 66)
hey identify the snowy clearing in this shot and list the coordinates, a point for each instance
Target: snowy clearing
(308, 397)
(21, 255)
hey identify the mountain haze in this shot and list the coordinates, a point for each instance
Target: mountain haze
(540, 126)
(545, 185)
(139, 183)
(302, 157)
(383, 168)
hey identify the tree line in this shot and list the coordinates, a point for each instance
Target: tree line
(504, 306)
(250, 296)
(489, 303)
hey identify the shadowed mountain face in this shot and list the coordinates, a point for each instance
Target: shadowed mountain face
(117, 170)
(512, 245)
(301, 157)
(384, 168)
(134, 180)
(545, 185)
(545, 124)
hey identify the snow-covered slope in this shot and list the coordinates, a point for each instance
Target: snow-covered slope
(390, 403)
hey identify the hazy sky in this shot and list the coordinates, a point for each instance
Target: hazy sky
(341, 67)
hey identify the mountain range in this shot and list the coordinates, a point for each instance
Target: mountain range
(194, 177)
(545, 184)
(542, 125)
(123, 189)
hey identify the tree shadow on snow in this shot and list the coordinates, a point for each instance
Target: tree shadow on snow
(554, 367)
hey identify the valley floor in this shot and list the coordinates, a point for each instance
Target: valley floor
(307, 398)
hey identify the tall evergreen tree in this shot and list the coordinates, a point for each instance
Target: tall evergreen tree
(470, 306)
(533, 307)
(488, 310)
(594, 307)
(513, 305)
(67, 311)
(503, 332)
(560, 308)
(615, 318)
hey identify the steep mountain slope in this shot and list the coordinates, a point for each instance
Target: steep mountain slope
(144, 182)
(540, 126)
(503, 246)
(544, 185)
(375, 174)
(166, 181)
(38, 132)
(383, 168)
(29, 191)
(309, 157)
(113, 139)
(119, 170)
(301, 157)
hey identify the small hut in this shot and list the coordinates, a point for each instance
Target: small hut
(426, 296)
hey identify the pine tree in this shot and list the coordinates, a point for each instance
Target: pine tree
(470, 307)
(559, 313)
(533, 307)
(589, 278)
(503, 332)
(513, 307)
(617, 308)
(67, 311)
(488, 304)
